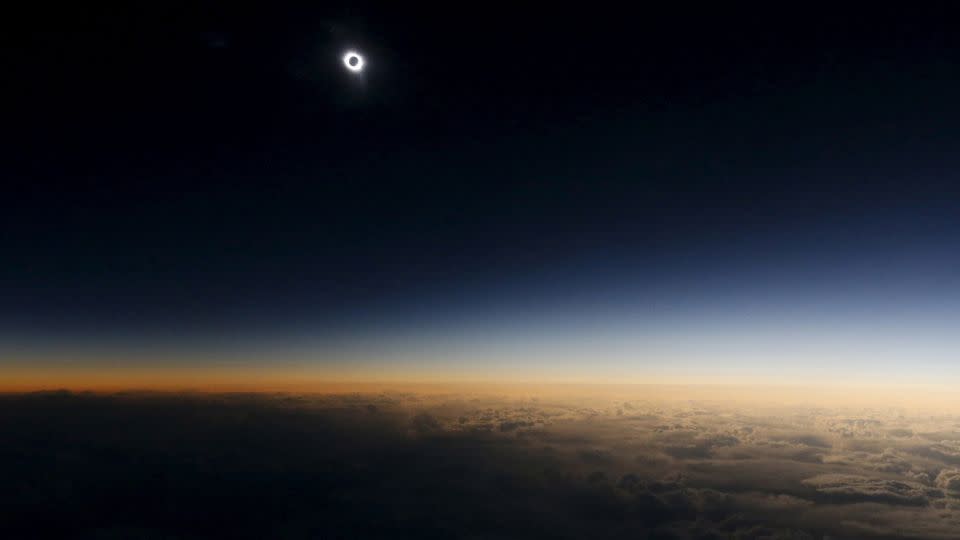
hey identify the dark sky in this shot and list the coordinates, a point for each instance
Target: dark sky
(199, 168)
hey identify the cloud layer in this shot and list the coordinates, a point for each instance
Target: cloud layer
(393, 465)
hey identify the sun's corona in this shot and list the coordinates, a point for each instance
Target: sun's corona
(353, 61)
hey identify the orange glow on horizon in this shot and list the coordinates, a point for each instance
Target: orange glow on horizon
(299, 379)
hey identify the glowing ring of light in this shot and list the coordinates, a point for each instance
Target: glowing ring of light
(356, 68)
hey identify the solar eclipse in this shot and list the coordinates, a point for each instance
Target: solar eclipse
(353, 61)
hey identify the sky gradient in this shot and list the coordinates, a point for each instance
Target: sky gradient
(208, 191)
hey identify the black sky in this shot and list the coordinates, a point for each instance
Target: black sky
(211, 165)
